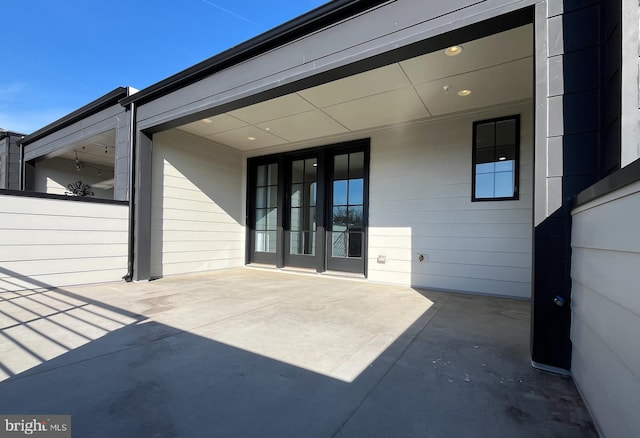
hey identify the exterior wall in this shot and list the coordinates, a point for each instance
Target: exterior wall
(420, 203)
(53, 176)
(10, 162)
(114, 117)
(55, 242)
(606, 309)
(630, 79)
(4, 147)
(197, 205)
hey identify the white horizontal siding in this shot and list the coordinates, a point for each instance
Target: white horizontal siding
(54, 243)
(196, 205)
(606, 309)
(420, 204)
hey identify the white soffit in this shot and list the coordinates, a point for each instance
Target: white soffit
(497, 69)
(273, 109)
(354, 87)
(247, 138)
(304, 126)
(380, 109)
(214, 125)
(485, 90)
(477, 55)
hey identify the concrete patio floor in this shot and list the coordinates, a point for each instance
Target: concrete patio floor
(248, 353)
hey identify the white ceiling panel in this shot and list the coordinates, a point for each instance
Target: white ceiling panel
(273, 109)
(241, 138)
(497, 69)
(364, 84)
(219, 123)
(304, 126)
(379, 110)
(492, 86)
(479, 54)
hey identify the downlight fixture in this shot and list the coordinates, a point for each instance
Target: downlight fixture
(453, 51)
(464, 93)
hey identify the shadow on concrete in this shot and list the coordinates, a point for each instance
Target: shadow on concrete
(461, 369)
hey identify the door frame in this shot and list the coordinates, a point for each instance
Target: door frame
(325, 154)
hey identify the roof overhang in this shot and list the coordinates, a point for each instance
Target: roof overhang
(106, 101)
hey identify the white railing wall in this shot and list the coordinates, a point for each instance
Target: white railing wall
(49, 242)
(605, 308)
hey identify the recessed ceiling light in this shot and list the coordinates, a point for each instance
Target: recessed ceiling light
(453, 51)
(463, 93)
(207, 121)
(267, 129)
(502, 158)
(251, 138)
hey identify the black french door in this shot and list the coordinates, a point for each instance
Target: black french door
(308, 209)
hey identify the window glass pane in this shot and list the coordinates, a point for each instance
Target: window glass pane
(272, 219)
(485, 168)
(356, 191)
(339, 244)
(339, 220)
(271, 241)
(310, 169)
(302, 243)
(484, 185)
(261, 219)
(272, 175)
(504, 185)
(506, 132)
(356, 165)
(312, 193)
(355, 244)
(505, 153)
(485, 135)
(356, 221)
(339, 192)
(296, 242)
(297, 171)
(261, 197)
(311, 220)
(261, 241)
(261, 179)
(296, 219)
(341, 167)
(486, 155)
(296, 195)
(272, 196)
(505, 166)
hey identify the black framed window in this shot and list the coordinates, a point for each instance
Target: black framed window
(496, 159)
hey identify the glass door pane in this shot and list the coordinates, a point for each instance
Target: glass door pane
(301, 233)
(266, 208)
(348, 205)
(346, 240)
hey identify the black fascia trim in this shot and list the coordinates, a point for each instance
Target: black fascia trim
(109, 99)
(312, 21)
(5, 134)
(617, 180)
(25, 194)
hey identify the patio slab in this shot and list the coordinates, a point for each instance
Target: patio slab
(245, 352)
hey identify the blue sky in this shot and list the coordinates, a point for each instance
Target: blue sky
(60, 55)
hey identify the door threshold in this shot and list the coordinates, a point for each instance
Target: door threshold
(344, 274)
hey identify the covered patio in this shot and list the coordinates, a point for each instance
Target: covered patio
(253, 352)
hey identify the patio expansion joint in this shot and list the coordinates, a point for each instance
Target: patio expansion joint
(391, 367)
